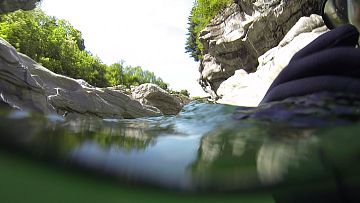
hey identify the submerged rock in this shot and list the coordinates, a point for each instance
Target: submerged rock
(243, 32)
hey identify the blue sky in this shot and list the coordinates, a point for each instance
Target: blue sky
(150, 34)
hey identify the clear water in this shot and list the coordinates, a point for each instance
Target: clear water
(207, 147)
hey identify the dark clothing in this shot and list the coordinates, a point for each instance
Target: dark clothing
(329, 63)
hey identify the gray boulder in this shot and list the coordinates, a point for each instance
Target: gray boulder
(248, 89)
(235, 38)
(153, 95)
(26, 85)
(76, 96)
(7, 6)
(17, 87)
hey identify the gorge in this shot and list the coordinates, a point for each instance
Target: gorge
(250, 42)
(238, 65)
(66, 140)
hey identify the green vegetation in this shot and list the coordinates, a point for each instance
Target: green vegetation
(201, 14)
(181, 92)
(117, 74)
(58, 46)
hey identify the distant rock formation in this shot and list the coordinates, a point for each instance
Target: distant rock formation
(7, 6)
(26, 85)
(153, 95)
(237, 37)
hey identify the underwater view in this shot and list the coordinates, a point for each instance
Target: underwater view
(298, 150)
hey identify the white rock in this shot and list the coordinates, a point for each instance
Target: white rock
(244, 31)
(153, 95)
(245, 89)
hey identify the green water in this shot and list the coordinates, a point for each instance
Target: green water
(292, 151)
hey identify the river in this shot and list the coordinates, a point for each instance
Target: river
(297, 143)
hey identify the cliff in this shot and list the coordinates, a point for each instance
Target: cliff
(27, 85)
(242, 46)
(7, 6)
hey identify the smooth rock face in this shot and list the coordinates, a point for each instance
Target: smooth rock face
(248, 89)
(17, 87)
(243, 32)
(7, 6)
(68, 95)
(26, 85)
(153, 95)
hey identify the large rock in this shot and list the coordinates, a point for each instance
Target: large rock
(243, 32)
(70, 95)
(248, 89)
(17, 87)
(153, 95)
(7, 6)
(26, 85)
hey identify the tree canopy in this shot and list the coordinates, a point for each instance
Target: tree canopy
(201, 14)
(118, 74)
(58, 46)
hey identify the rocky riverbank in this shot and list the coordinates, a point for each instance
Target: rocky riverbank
(250, 42)
(245, 47)
(27, 85)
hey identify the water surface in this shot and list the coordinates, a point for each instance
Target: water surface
(207, 147)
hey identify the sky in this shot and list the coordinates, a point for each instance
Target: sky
(150, 34)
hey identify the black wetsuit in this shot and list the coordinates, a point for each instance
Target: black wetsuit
(329, 63)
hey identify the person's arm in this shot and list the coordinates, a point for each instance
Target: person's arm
(329, 63)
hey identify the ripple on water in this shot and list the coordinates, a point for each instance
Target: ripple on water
(205, 146)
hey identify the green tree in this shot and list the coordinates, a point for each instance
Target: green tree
(58, 46)
(54, 43)
(118, 74)
(185, 93)
(136, 76)
(114, 74)
(201, 14)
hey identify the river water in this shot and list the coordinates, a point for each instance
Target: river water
(206, 147)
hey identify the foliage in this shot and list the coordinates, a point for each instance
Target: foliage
(201, 14)
(181, 92)
(58, 46)
(53, 43)
(185, 93)
(118, 74)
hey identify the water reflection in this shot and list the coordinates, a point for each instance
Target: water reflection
(203, 147)
(65, 135)
(320, 163)
(277, 156)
